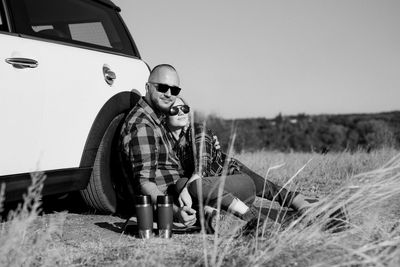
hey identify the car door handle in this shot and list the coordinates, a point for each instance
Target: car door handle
(22, 63)
(109, 75)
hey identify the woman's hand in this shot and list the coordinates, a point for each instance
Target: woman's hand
(216, 143)
(185, 200)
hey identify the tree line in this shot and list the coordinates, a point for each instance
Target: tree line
(302, 132)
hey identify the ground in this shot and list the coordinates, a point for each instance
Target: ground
(366, 183)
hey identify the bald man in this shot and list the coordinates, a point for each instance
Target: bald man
(151, 167)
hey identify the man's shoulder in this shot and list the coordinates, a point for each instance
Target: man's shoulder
(138, 124)
(140, 114)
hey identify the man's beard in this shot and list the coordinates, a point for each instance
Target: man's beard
(160, 108)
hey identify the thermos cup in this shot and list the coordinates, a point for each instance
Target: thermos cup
(144, 213)
(164, 216)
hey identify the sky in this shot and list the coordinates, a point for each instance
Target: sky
(259, 58)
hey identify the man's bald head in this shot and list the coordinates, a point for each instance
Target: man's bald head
(165, 74)
(162, 77)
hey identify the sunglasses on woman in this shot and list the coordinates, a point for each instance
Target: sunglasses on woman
(174, 110)
(163, 88)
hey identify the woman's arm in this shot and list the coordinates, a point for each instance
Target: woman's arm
(205, 150)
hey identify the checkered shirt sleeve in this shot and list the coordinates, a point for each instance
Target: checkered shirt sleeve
(143, 153)
(205, 152)
(213, 160)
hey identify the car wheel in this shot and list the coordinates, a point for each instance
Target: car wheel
(100, 192)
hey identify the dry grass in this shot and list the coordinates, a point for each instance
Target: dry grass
(367, 184)
(26, 239)
(371, 199)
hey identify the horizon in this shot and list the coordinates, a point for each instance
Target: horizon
(261, 58)
(307, 114)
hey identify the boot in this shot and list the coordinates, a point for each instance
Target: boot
(228, 223)
(254, 220)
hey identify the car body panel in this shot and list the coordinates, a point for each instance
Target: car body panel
(58, 108)
(22, 108)
(49, 111)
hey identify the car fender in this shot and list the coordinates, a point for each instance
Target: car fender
(119, 103)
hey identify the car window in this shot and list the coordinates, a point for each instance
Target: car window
(82, 22)
(3, 22)
(90, 32)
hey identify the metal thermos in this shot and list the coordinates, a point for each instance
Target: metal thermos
(165, 216)
(144, 213)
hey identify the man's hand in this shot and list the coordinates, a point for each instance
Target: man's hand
(186, 215)
(185, 200)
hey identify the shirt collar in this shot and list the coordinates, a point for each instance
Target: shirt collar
(156, 116)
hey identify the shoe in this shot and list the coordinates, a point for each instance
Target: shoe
(228, 223)
(262, 227)
(338, 221)
(251, 227)
(292, 218)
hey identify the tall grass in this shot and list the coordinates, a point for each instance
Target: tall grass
(368, 185)
(371, 198)
(22, 242)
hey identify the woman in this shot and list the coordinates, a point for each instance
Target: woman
(241, 184)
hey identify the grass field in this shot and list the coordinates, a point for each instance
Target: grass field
(368, 184)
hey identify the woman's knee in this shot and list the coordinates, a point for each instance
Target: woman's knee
(239, 185)
(242, 186)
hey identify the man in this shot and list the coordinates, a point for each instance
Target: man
(152, 167)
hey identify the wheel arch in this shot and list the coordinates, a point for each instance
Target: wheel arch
(119, 103)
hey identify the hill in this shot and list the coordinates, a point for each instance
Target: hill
(307, 133)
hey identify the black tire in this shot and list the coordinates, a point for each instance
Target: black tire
(100, 192)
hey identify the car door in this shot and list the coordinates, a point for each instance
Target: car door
(86, 56)
(21, 103)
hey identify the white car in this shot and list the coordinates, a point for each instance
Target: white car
(68, 69)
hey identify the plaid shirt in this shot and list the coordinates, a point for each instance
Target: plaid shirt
(146, 149)
(212, 160)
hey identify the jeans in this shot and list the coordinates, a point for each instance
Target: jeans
(235, 186)
(244, 186)
(282, 195)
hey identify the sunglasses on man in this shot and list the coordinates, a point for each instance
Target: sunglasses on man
(174, 110)
(163, 88)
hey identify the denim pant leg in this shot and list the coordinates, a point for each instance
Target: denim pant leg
(236, 186)
(283, 196)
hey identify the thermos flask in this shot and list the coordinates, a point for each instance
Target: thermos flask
(164, 216)
(144, 213)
